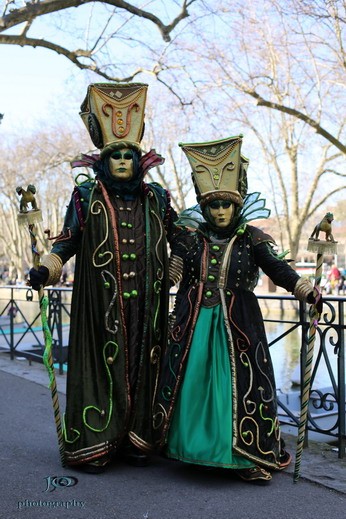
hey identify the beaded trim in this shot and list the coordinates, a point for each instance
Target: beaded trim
(54, 264)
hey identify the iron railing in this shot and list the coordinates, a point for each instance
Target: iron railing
(21, 335)
(326, 411)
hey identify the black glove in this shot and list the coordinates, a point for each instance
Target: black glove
(316, 300)
(38, 278)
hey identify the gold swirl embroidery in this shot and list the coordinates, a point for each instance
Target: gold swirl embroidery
(248, 437)
(160, 271)
(265, 360)
(96, 211)
(115, 327)
(155, 356)
(157, 290)
(159, 416)
(246, 401)
(159, 275)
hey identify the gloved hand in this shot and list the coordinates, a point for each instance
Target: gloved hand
(315, 298)
(38, 278)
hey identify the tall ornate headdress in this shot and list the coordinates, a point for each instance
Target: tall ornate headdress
(114, 115)
(218, 169)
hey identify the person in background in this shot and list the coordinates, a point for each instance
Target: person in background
(216, 404)
(118, 227)
(333, 278)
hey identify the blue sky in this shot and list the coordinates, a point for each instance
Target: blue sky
(32, 81)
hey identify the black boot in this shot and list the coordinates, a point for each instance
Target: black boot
(133, 456)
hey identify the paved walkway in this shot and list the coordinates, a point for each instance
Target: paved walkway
(35, 486)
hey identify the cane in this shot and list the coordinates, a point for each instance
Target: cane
(321, 247)
(30, 218)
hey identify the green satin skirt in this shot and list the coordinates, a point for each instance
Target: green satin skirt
(201, 428)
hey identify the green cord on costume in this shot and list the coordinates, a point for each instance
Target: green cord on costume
(88, 178)
(283, 254)
(267, 419)
(71, 429)
(47, 340)
(110, 380)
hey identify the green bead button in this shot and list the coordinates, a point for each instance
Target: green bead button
(106, 284)
(133, 256)
(123, 224)
(134, 293)
(211, 277)
(215, 247)
(125, 256)
(214, 261)
(129, 225)
(126, 295)
(208, 293)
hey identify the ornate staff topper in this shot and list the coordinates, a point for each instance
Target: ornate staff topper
(327, 245)
(30, 217)
(321, 247)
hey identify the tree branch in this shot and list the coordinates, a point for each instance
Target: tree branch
(71, 55)
(299, 115)
(34, 10)
(324, 199)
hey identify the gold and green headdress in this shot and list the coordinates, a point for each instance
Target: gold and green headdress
(218, 169)
(113, 114)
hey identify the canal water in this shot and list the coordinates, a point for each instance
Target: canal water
(285, 355)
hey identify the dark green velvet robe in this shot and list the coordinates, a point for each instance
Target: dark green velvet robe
(118, 317)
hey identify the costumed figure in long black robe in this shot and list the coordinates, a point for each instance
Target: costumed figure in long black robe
(118, 228)
(216, 404)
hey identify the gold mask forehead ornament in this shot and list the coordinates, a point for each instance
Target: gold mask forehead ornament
(218, 169)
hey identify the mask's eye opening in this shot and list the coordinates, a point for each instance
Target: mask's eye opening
(216, 204)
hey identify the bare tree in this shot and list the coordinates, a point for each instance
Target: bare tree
(274, 67)
(161, 134)
(43, 160)
(95, 37)
(288, 59)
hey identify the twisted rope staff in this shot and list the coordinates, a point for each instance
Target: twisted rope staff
(306, 386)
(321, 247)
(31, 217)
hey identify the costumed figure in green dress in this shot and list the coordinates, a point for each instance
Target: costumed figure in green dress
(216, 403)
(118, 227)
